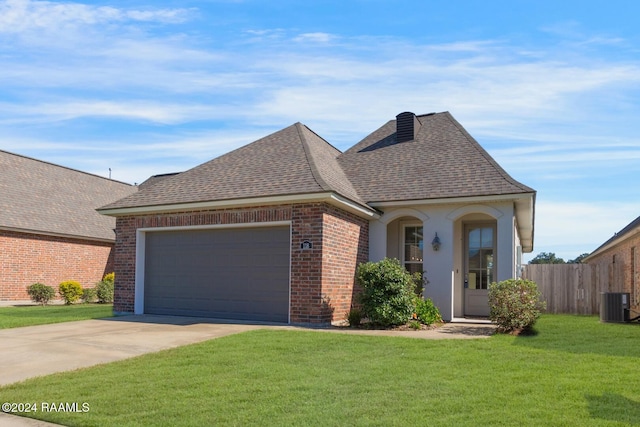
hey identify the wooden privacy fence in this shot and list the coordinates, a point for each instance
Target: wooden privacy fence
(574, 288)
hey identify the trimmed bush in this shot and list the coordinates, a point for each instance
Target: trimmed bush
(515, 305)
(70, 291)
(104, 291)
(89, 295)
(387, 292)
(40, 293)
(354, 317)
(426, 312)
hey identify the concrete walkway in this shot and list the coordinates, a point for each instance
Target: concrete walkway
(45, 349)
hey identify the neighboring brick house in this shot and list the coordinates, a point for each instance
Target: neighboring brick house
(49, 228)
(276, 229)
(620, 257)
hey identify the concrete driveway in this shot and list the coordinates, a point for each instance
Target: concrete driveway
(45, 349)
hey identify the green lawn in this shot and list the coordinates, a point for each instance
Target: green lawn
(575, 371)
(14, 317)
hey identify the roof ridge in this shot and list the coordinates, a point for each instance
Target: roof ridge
(503, 173)
(315, 172)
(64, 167)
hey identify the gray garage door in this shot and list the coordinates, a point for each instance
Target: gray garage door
(238, 273)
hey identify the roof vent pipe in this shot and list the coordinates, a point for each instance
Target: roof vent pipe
(407, 126)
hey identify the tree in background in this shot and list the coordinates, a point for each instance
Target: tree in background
(546, 258)
(578, 260)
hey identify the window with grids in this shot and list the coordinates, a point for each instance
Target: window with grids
(413, 248)
(480, 263)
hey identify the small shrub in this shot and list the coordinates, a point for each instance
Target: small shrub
(415, 325)
(515, 305)
(354, 317)
(104, 292)
(70, 291)
(40, 293)
(387, 292)
(421, 281)
(426, 312)
(109, 277)
(89, 295)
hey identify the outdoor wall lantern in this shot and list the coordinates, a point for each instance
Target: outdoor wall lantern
(435, 243)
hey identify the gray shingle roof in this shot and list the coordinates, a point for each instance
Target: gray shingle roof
(442, 161)
(41, 197)
(156, 179)
(291, 161)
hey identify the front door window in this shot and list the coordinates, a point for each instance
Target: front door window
(480, 262)
(413, 248)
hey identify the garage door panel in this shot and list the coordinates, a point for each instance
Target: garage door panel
(227, 273)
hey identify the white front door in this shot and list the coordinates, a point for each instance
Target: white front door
(480, 267)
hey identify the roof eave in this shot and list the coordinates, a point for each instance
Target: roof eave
(63, 235)
(328, 197)
(451, 200)
(524, 205)
(525, 208)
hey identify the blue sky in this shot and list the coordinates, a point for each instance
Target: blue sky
(550, 89)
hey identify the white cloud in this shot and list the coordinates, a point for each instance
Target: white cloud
(157, 112)
(572, 228)
(21, 15)
(161, 153)
(314, 38)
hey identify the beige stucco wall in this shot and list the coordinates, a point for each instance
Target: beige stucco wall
(444, 268)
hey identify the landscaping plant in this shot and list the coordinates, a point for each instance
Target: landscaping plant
(387, 292)
(354, 317)
(89, 295)
(41, 293)
(426, 312)
(104, 289)
(515, 305)
(70, 291)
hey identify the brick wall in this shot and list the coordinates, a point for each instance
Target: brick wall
(345, 244)
(27, 258)
(322, 277)
(623, 264)
(307, 305)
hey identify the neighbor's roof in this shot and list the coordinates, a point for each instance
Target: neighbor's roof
(628, 231)
(156, 179)
(292, 161)
(443, 161)
(44, 198)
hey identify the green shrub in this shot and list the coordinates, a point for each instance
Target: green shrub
(40, 293)
(515, 305)
(421, 281)
(415, 325)
(387, 292)
(70, 291)
(104, 291)
(89, 295)
(426, 312)
(354, 317)
(109, 277)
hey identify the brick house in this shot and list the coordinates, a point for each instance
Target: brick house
(49, 228)
(275, 229)
(620, 258)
